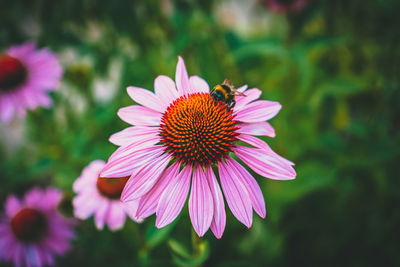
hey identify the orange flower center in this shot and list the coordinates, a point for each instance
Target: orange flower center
(29, 225)
(197, 129)
(111, 187)
(12, 73)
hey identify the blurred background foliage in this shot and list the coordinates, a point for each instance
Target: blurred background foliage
(334, 67)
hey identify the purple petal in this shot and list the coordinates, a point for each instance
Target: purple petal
(135, 134)
(123, 163)
(253, 189)
(198, 85)
(251, 95)
(139, 115)
(146, 98)
(165, 89)
(173, 198)
(201, 206)
(141, 182)
(148, 203)
(259, 128)
(258, 111)
(12, 205)
(236, 195)
(265, 164)
(182, 78)
(219, 220)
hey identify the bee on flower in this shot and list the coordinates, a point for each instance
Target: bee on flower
(181, 137)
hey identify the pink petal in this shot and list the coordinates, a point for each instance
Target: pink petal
(236, 195)
(262, 128)
(165, 89)
(12, 205)
(6, 109)
(141, 182)
(242, 88)
(125, 164)
(256, 142)
(146, 98)
(253, 189)
(135, 134)
(148, 203)
(251, 95)
(265, 164)
(138, 115)
(173, 198)
(182, 78)
(85, 205)
(101, 213)
(198, 85)
(130, 209)
(201, 206)
(258, 111)
(116, 216)
(219, 219)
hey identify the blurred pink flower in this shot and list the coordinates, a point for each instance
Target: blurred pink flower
(26, 74)
(101, 197)
(285, 6)
(32, 230)
(182, 126)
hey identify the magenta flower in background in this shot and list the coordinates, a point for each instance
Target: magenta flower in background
(26, 75)
(178, 135)
(101, 197)
(32, 230)
(285, 6)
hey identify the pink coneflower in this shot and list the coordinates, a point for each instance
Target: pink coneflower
(33, 231)
(26, 74)
(101, 197)
(180, 133)
(285, 6)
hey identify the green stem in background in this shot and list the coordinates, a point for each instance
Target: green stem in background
(143, 252)
(196, 246)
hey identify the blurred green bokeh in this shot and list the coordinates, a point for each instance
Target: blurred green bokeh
(334, 66)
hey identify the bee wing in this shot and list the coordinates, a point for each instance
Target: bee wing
(228, 82)
(236, 92)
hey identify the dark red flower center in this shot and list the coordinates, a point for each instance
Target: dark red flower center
(111, 187)
(197, 129)
(12, 73)
(29, 225)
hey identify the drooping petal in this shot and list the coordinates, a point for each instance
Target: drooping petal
(264, 163)
(135, 134)
(182, 78)
(260, 110)
(146, 98)
(262, 128)
(139, 115)
(236, 195)
(115, 216)
(201, 206)
(141, 182)
(148, 203)
(253, 189)
(242, 101)
(173, 198)
(198, 85)
(219, 218)
(256, 142)
(101, 213)
(165, 89)
(125, 163)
